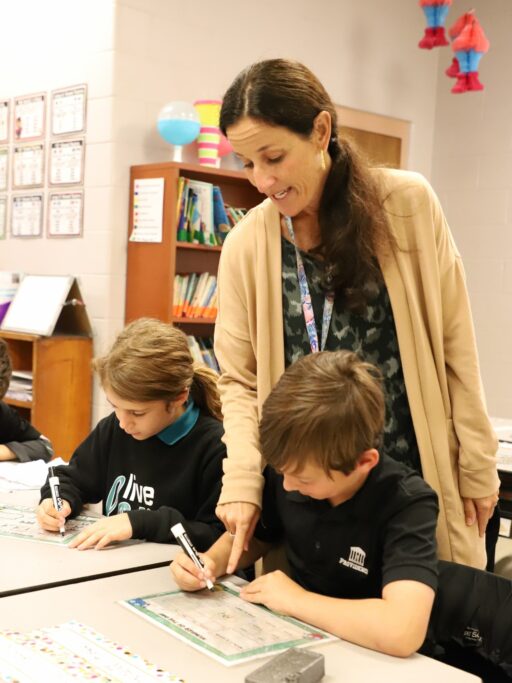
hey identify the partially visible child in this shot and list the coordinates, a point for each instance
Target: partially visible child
(19, 440)
(358, 528)
(157, 459)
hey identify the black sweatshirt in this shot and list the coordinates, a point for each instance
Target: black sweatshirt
(157, 484)
(21, 437)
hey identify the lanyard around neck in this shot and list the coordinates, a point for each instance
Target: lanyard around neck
(307, 304)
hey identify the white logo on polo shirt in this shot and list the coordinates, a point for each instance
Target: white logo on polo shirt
(356, 560)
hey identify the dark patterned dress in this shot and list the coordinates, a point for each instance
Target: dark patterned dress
(372, 335)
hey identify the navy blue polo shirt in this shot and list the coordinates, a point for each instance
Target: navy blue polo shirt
(385, 533)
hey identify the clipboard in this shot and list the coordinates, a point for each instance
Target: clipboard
(47, 305)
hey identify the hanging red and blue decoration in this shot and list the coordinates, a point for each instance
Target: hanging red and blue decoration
(435, 12)
(469, 43)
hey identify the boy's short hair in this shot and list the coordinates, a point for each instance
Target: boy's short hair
(327, 408)
(5, 368)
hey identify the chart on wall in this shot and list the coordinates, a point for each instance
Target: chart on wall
(42, 147)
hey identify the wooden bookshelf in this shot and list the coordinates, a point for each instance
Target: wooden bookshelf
(151, 267)
(61, 385)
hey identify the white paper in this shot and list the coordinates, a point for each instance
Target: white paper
(3, 217)
(4, 168)
(503, 429)
(17, 476)
(223, 625)
(73, 652)
(4, 120)
(148, 208)
(68, 110)
(37, 304)
(18, 521)
(66, 162)
(65, 212)
(29, 115)
(28, 166)
(27, 215)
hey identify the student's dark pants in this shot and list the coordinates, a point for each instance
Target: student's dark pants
(491, 538)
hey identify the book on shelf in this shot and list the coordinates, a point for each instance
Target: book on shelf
(195, 295)
(201, 349)
(235, 214)
(209, 291)
(202, 215)
(198, 294)
(20, 386)
(191, 287)
(180, 288)
(220, 218)
(202, 232)
(211, 311)
(182, 210)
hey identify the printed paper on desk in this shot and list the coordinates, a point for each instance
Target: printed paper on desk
(20, 522)
(16, 476)
(223, 626)
(73, 652)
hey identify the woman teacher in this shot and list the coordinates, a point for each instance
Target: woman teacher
(343, 256)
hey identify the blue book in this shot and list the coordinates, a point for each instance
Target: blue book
(220, 217)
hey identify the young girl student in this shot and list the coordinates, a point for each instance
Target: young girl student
(157, 459)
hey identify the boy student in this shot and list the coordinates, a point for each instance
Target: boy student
(19, 440)
(157, 459)
(358, 528)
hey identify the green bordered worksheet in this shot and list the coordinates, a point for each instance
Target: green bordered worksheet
(223, 626)
(20, 522)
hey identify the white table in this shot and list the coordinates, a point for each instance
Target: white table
(94, 604)
(30, 565)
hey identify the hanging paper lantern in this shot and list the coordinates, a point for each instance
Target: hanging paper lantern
(435, 12)
(469, 47)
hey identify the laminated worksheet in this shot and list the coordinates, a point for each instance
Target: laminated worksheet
(20, 522)
(223, 625)
(73, 652)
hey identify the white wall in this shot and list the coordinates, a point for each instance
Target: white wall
(472, 173)
(51, 45)
(136, 55)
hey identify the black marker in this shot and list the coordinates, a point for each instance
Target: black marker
(57, 500)
(181, 536)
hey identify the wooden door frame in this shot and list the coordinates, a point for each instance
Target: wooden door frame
(378, 123)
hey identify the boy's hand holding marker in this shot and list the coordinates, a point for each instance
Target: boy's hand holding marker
(49, 517)
(189, 576)
(201, 573)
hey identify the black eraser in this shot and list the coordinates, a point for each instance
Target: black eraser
(291, 666)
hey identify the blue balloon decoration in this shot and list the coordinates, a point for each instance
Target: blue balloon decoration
(178, 124)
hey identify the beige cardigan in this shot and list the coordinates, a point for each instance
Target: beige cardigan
(426, 285)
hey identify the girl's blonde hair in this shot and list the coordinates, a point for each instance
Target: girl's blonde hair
(150, 361)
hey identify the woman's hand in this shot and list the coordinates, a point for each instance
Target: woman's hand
(188, 576)
(480, 510)
(103, 532)
(276, 591)
(240, 520)
(49, 518)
